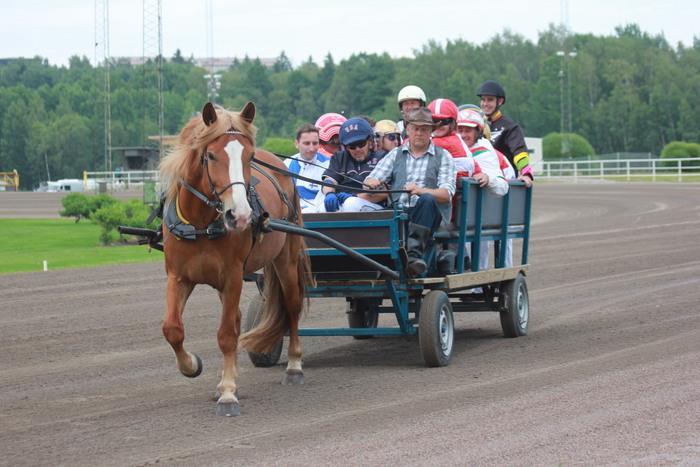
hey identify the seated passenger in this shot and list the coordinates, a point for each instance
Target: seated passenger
(471, 125)
(350, 167)
(386, 135)
(308, 162)
(427, 173)
(328, 126)
(445, 135)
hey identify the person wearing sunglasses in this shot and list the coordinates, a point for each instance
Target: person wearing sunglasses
(386, 135)
(328, 126)
(445, 135)
(350, 167)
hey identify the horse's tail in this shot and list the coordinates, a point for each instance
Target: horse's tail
(274, 320)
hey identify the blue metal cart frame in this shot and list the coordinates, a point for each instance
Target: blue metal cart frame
(361, 256)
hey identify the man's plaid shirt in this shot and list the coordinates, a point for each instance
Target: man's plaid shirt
(416, 168)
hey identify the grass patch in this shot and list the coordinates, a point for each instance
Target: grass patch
(26, 243)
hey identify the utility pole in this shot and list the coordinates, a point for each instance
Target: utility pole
(153, 51)
(102, 56)
(565, 112)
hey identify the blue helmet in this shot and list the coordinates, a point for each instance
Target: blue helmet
(355, 130)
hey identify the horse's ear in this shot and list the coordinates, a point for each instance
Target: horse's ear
(248, 112)
(208, 114)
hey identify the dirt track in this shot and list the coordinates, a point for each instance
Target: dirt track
(610, 373)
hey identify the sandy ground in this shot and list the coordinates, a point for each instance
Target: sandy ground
(609, 374)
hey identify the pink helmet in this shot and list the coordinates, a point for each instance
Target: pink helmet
(443, 108)
(329, 125)
(472, 118)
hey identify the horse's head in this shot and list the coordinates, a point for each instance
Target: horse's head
(226, 160)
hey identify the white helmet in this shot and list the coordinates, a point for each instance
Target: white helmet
(411, 92)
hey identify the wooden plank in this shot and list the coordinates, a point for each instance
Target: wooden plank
(472, 279)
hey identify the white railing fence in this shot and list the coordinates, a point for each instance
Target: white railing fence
(619, 169)
(115, 181)
(623, 169)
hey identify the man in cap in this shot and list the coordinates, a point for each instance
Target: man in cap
(427, 173)
(350, 167)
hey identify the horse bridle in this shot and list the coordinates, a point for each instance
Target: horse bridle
(217, 204)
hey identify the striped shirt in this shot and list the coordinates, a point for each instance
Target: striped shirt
(416, 167)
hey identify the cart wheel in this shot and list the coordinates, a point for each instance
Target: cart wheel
(515, 311)
(261, 360)
(361, 314)
(436, 329)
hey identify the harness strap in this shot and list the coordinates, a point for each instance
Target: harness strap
(216, 205)
(291, 208)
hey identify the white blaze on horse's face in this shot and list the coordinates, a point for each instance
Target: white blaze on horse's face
(236, 208)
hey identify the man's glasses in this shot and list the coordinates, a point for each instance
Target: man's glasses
(392, 136)
(443, 121)
(358, 145)
(332, 142)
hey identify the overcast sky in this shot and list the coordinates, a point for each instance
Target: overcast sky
(57, 29)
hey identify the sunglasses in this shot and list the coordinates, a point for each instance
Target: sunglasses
(358, 145)
(332, 142)
(392, 136)
(443, 121)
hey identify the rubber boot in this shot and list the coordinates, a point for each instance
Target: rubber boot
(446, 259)
(418, 238)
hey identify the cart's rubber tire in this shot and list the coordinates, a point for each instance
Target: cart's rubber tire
(515, 308)
(260, 360)
(361, 314)
(436, 329)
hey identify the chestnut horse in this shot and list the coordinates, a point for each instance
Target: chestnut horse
(208, 177)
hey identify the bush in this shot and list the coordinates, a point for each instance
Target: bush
(680, 150)
(132, 213)
(79, 205)
(566, 146)
(282, 146)
(76, 205)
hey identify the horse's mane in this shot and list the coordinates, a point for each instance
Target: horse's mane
(193, 139)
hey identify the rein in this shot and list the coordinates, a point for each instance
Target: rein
(312, 180)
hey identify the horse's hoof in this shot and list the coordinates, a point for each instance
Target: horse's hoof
(228, 409)
(293, 378)
(198, 371)
(217, 395)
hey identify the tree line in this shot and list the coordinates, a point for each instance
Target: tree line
(630, 92)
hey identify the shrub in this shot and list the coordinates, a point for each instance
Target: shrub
(680, 150)
(566, 146)
(79, 205)
(113, 214)
(76, 205)
(282, 146)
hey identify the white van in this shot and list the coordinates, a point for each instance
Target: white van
(66, 185)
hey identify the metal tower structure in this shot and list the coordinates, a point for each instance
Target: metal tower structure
(213, 78)
(153, 67)
(103, 58)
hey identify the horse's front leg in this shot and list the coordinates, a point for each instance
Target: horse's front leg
(229, 330)
(178, 291)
